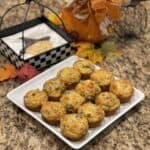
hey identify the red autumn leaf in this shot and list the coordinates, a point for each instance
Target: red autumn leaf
(27, 72)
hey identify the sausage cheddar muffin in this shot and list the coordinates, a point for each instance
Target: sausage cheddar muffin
(93, 113)
(88, 89)
(108, 101)
(34, 99)
(74, 126)
(52, 112)
(85, 67)
(102, 77)
(72, 101)
(54, 88)
(69, 76)
(123, 89)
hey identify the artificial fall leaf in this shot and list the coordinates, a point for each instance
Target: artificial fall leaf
(86, 50)
(54, 19)
(13, 71)
(110, 50)
(107, 47)
(8, 71)
(26, 72)
(84, 45)
(4, 74)
(84, 53)
(96, 57)
(114, 55)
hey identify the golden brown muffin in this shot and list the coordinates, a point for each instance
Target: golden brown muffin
(108, 101)
(34, 99)
(88, 89)
(69, 76)
(85, 67)
(54, 88)
(72, 101)
(52, 112)
(74, 126)
(123, 89)
(93, 113)
(103, 78)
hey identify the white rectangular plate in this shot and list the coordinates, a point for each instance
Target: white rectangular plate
(16, 96)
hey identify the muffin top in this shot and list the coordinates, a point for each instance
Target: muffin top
(102, 77)
(108, 101)
(34, 99)
(52, 112)
(71, 101)
(54, 88)
(92, 112)
(88, 89)
(74, 126)
(122, 88)
(85, 67)
(69, 76)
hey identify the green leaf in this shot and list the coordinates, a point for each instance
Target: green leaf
(113, 55)
(107, 47)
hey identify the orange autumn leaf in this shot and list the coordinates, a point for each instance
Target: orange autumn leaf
(8, 72)
(13, 71)
(4, 74)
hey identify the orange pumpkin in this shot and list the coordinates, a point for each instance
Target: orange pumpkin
(88, 29)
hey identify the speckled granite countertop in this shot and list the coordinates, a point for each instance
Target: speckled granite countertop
(18, 131)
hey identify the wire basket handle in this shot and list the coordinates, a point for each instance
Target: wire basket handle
(7, 11)
(53, 11)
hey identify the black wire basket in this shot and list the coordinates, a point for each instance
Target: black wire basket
(43, 59)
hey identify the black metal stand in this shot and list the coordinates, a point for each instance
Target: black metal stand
(27, 2)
